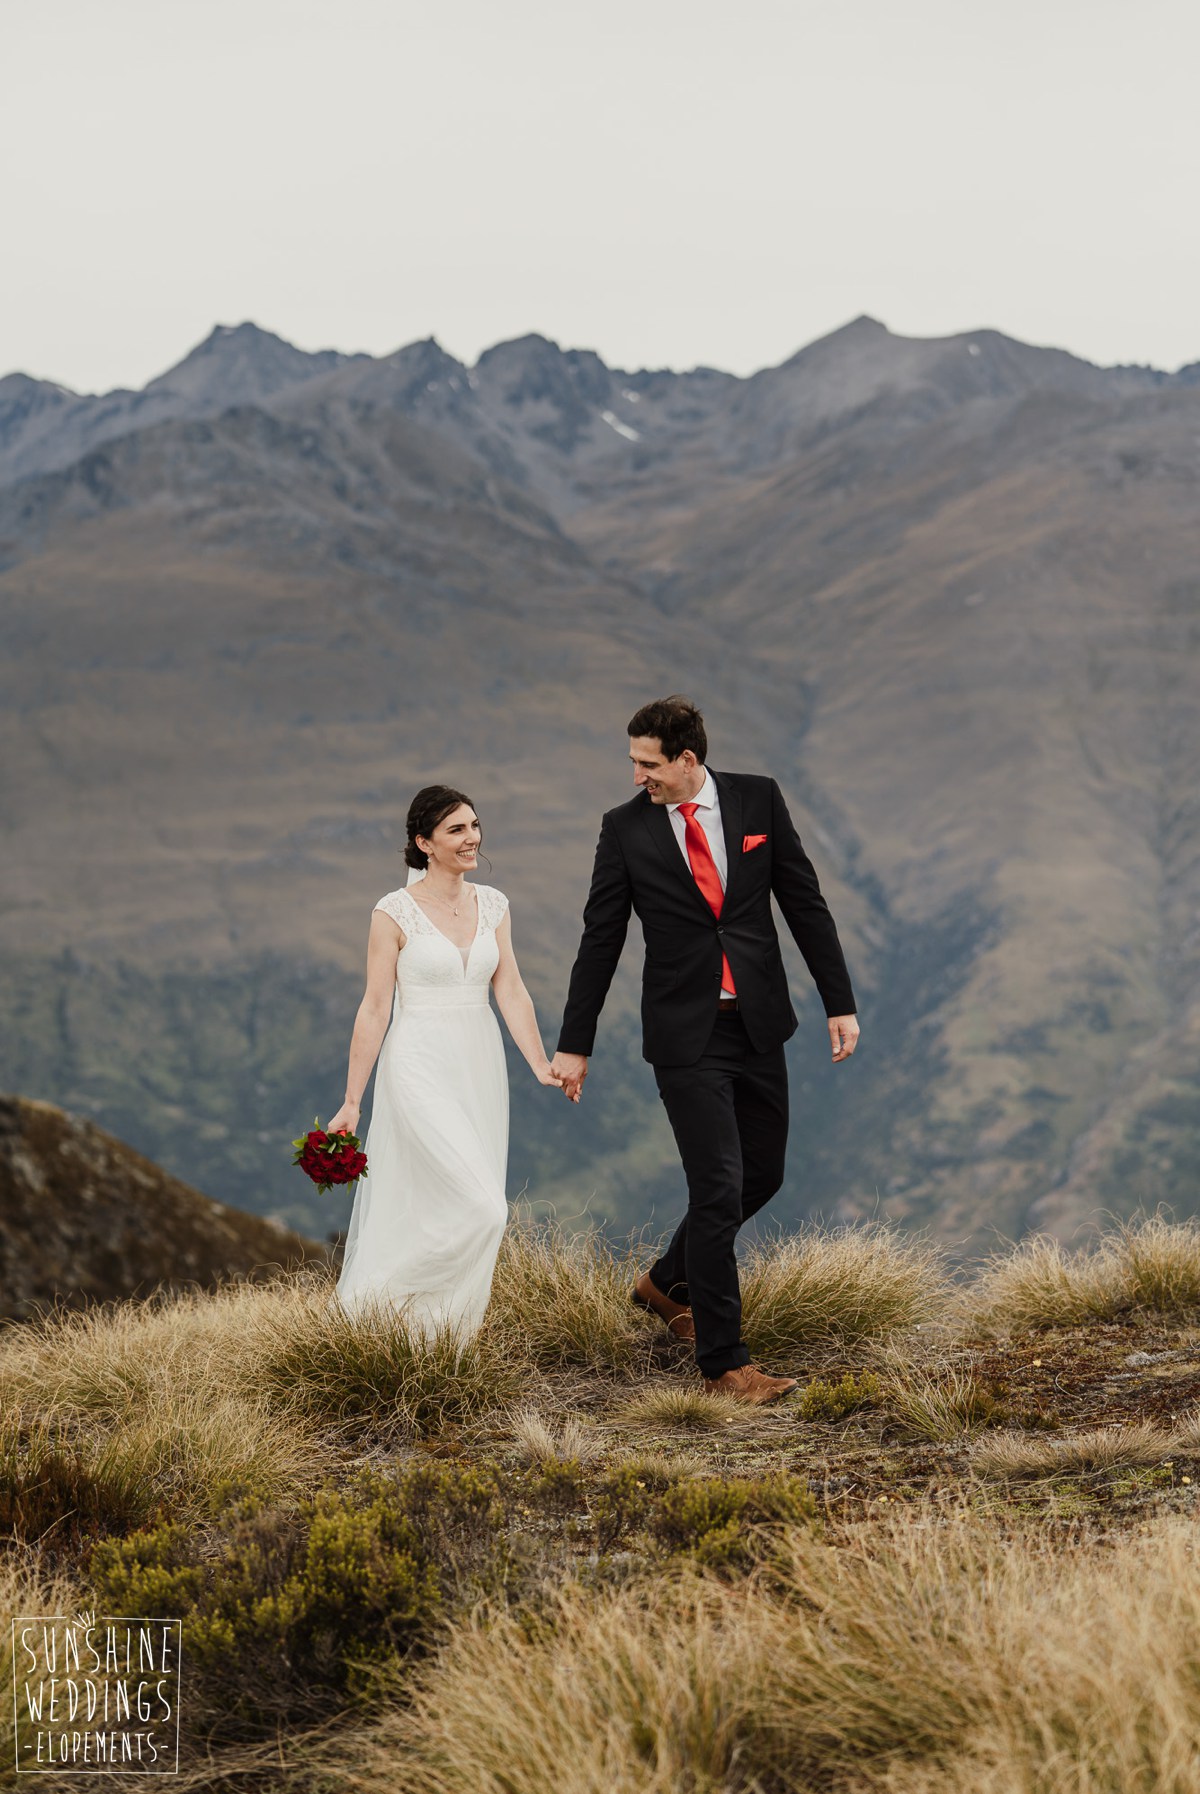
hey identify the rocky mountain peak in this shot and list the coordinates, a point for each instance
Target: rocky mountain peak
(419, 368)
(241, 364)
(27, 403)
(532, 369)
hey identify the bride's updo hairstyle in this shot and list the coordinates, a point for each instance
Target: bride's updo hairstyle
(427, 809)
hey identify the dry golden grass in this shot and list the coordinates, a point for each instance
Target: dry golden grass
(373, 1370)
(28, 1589)
(813, 1293)
(659, 1464)
(925, 1657)
(164, 1398)
(1185, 1435)
(560, 1299)
(1100, 1448)
(1162, 1263)
(105, 1360)
(546, 1443)
(920, 1644)
(668, 1405)
(1012, 1454)
(1039, 1284)
(939, 1405)
(622, 1695)
(1149, 1263)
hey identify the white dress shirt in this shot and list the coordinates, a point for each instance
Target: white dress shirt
(709, 818)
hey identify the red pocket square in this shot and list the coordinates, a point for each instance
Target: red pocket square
(750, 841)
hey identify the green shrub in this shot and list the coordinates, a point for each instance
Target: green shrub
(834, 1401)
(298, 1606)
(561, 1484)
(619, 1504)
(710, 1518)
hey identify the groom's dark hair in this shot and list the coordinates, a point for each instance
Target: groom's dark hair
(675, 723)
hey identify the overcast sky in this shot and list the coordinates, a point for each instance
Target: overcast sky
(670, 182)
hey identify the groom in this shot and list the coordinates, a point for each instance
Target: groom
(698, 855)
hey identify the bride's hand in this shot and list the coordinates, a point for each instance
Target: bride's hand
(346, 1117)
(544, 1075)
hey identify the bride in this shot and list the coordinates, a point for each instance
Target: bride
(430, 1210)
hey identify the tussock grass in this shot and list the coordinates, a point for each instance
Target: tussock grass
(545, 1443)
(1162, 1264)
(925, 1658)
(816, 1293)
(667, 1404)
(1149, 1263)
(375, 1369)
(106, 1360)
(61, 1483)
(29, 1588)
(192, 1445)
(139, 1404)
(1185, 1435)
(611, 1613)
(938, 1406)
(659, 1466)
(1099, 1448)
(559, 1299)
(56, 1490)
(621, 1696)
(172, 1400)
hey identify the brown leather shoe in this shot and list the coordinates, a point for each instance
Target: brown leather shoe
(678, 1318)
(747, 1383)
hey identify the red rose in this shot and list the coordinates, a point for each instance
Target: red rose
(329, 1159)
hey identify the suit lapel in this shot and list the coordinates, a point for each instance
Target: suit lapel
(658, 822)
(731, 825)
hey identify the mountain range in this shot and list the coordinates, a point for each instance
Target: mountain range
(945, 590)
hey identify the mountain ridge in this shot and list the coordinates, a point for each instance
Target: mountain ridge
(236, 364)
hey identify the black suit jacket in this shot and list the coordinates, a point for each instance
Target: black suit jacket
(639, 866)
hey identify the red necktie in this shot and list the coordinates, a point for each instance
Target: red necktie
(704, 871)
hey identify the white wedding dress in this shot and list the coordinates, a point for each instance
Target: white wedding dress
(430, 1211)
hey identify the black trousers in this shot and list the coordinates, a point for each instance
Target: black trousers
(729, 1113)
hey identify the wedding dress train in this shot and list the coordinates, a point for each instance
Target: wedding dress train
(430, 1212)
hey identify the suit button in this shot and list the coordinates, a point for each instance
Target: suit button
(720, 931)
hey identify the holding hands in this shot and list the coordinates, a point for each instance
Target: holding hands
(570, 1069)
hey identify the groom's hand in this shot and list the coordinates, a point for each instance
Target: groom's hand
(572, 1069)
(843, 1036)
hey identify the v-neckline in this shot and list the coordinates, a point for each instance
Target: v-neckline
(463, 953)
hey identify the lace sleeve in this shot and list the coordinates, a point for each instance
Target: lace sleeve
(393, 905)
(492, 905)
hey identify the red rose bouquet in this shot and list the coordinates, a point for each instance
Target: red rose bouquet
(329, 1158)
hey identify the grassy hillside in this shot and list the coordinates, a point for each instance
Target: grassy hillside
(959, 1556)
(84, 1218)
